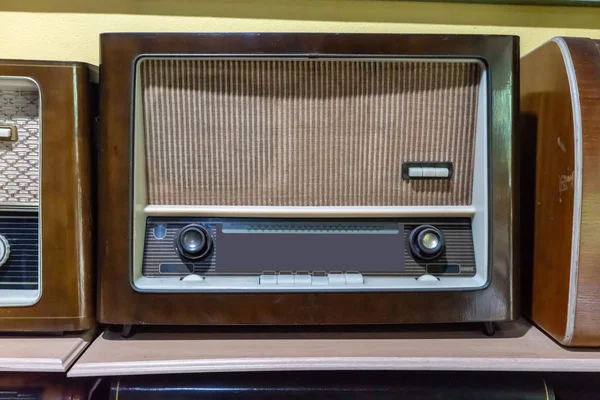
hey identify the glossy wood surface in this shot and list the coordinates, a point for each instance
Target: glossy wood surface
(363, 385)
(546, 90)
(119, 304)
(517, 346)
(547, 101)
(16, 386)
(586, 57)
(67, 280)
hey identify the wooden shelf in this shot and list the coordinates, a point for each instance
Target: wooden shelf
(42, 354)
(515, 347)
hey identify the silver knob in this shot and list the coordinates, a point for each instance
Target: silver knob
(4, 250)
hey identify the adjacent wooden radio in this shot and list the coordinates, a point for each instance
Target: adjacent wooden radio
(45, 196)
(307, 179)
(560, 106)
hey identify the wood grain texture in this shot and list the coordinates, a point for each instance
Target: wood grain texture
(586, 55)
(119, 304)
(42, 354)
(516, 347)
(66, 199)
(547, 98)
(19, 386)
(545, 91)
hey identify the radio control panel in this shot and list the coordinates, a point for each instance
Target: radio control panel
(302, 252)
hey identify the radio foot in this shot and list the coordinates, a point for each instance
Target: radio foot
(127, 331)
(489, 328)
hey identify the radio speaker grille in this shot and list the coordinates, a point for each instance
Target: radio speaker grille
(19, 161)
(20, 271)
(306, 132)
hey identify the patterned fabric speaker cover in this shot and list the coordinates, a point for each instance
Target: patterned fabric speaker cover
(301, 132)
(19, 161)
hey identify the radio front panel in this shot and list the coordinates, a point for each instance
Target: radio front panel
(20, 148)
(319, 140)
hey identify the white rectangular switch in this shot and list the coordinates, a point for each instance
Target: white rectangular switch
(414, 172)
(429, 172)
(5, 133)
(442, 173)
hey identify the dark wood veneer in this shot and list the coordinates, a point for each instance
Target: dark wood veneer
(19, 385)
(67, 103)
(358, 385)
(119, 303)
(546, 99)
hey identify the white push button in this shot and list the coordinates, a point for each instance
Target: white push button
(336, 278)
(302, 280)
(428, 172)
(354, 278)
(442, 173)
(320, 280)
(192, 278)
(414, 172)
(5, 133)
(427, 278)
(8, 133)
(285, 280)
(268, 280)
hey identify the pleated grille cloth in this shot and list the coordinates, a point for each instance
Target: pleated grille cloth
(306, 132)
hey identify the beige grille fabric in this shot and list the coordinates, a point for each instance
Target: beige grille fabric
(306, 132)
(20, 161)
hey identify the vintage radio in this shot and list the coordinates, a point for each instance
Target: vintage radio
(307, 178)
(45, 196)
(560, 106)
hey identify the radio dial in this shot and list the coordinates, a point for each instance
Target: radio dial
(4, 250)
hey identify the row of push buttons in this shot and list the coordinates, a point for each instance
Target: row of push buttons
(428, 172)
(350, 278)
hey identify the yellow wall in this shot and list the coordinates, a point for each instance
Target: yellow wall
(68, 29)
